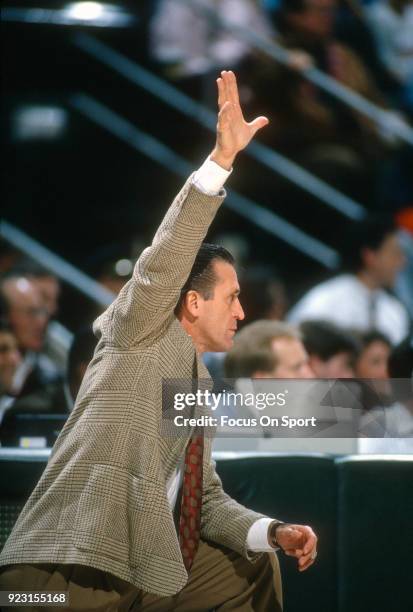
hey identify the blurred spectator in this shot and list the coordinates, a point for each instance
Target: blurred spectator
(393, 426)
(46, 282)
(261, 350)
(318, 131)
(404, 283)
(41, 394)
(332, 351)
(80, 354)
(360, 300)
(191, 44)
(353, 29)
(25, 311)
(267, 349)
(57, 338)
(372, 361)
(392, 24)
(372, 368)
(28, 319)
(263, 294)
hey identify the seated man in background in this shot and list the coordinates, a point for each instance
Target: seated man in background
(37, 386)
(332, 351)
(276, 350)
(57, 338)
(28, 318)
(360, 299)
(262, 350)
(268, 349)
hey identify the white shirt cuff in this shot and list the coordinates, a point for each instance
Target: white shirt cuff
(210, 177)
(257, 538)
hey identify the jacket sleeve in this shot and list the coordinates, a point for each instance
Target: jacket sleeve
(223, 520)
(146, 303)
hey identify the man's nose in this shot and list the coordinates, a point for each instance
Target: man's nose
(240, 315)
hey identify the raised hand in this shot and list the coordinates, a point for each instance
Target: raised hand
(233, 132)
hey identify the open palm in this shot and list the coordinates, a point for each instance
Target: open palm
(233, 132)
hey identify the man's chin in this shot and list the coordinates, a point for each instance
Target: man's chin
(222, 347)
(228, 344)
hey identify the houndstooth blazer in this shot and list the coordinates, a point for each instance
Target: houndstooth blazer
(102, 499)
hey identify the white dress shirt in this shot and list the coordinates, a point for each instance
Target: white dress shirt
(347, 302)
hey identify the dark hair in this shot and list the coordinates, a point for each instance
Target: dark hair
(367, 338)
(369, 233)
(202, 277)
(325, 340)
(28, 268)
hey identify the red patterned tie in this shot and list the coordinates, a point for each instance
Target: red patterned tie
(190, 518)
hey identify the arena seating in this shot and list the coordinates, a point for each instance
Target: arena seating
(298, 489)
(375, 535)
(361, 508)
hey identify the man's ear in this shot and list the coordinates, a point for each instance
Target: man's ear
(191, 303)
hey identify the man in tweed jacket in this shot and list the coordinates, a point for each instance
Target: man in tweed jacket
(100, 522)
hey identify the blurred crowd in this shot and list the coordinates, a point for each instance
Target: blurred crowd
(356, 324)
(350, 326)
(367, 47)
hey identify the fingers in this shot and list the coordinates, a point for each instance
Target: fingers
(224, 116)
(232, 87)
(305, 562)
(301, 542)
(221, 93)
(311, 541)
(258, 123)
(227, 88)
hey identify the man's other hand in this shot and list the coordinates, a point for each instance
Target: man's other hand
(298, 541)
(233, 132)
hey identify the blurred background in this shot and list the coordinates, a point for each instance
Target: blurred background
(106, 108)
